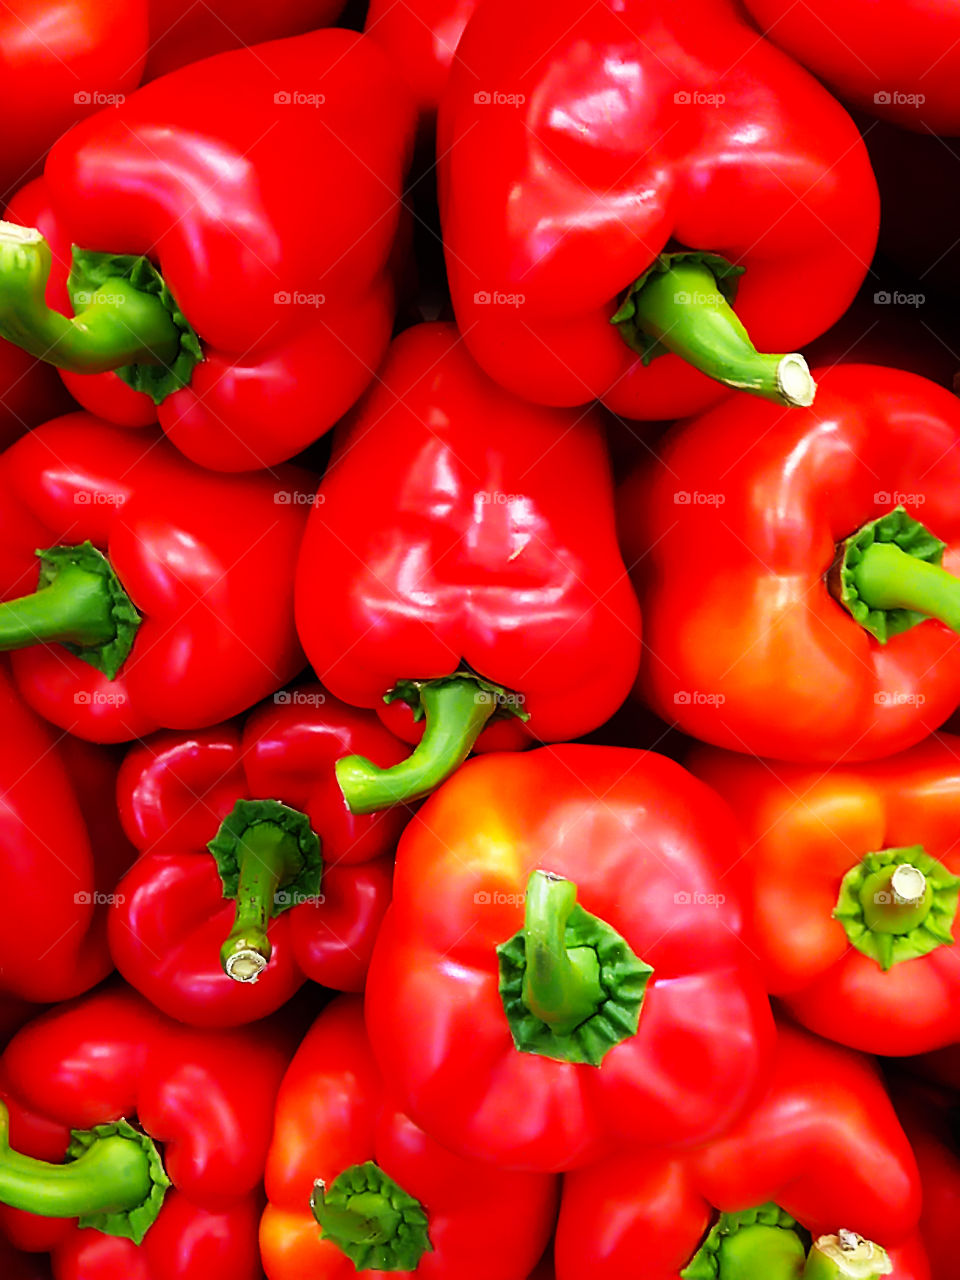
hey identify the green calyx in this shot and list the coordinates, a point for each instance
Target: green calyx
(888, 576)
(112, 1180)
(79, 603)
(93, 274)
(846, 1256)
(683, 303)
(456, 709)
(758, 1244)
(269, 860)
(571, 987)
(371, 1219)
(898, 904)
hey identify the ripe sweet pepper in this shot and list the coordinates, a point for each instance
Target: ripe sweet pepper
(816, 1182)
(181, 263)
(165, 594)
(135, 1147)
(357, 1189)
(559, 972)
(616, 177)
(254, 875)
(798, 572)
(30, 393)
(851, 887)
(61, 854)
(931, 1119)
(462, 558)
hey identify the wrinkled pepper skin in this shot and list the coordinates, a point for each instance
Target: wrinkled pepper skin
(806, 831)
(648, 128)
(217, 629)
(484, 537)
(733, 530)
(30, 393)
(334, 1112)
(644, 844)
(289, 291)
(61, 854)
(930, 1118)
(172, 917)
(824, 1144)
(899, 62)
(109, 1056)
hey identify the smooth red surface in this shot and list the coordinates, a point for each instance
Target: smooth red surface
(929, 1118)
(207, 1098)
(640, 127)
(175, 789)
(334, 1111)
(288, 288)
(61, 854)
(898, 61)
(732, 529)
(30, 393)
(458, 524)
(646, 844)
(805, 830)
(207, 560)
(824, 1144)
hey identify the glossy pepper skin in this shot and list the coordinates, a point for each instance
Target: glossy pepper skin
(899, 62)
(172, 917)
(736, 530)
(823, 1144)
(663, 1058)
(337, 1122)
(30, 393)
(649, 128)
(206, 1096)
(61, 854)
(851, 887)
(285, 293)
(206, 561)
(459, 527)
(931, 1120)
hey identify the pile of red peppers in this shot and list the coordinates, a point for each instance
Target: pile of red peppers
(479, 640)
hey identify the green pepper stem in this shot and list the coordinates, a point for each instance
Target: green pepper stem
(561, 984)
(889, 578)
(113, 1175)
(76, 607)
(761, 1252)
(455, 713)
(895, 899)
(846, 1256)
(118, 326)
(367, 1218)
(685, 311)
(267, 857)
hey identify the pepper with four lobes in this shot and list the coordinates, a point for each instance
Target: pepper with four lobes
(254, 876)
(560, 972)
(357, 1189)
(135, 1147)
(815, 1182)
(181, 263)
(62, 852)
(799, 572)
(640, 212)
(463, 560)
(850, 890)
(161, 594)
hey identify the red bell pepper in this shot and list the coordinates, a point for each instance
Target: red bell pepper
(613, 177)
(898, 61)
(559, 972)
(168, 589)
(357, 1189)
(15, 1265)
(165, 1130)
(244, 306)
(250, 856)
(789, 568)
(30, 393)
(462, 558)
(851, 888)
(822, 1155)
(931, 1119)
(61, 854)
